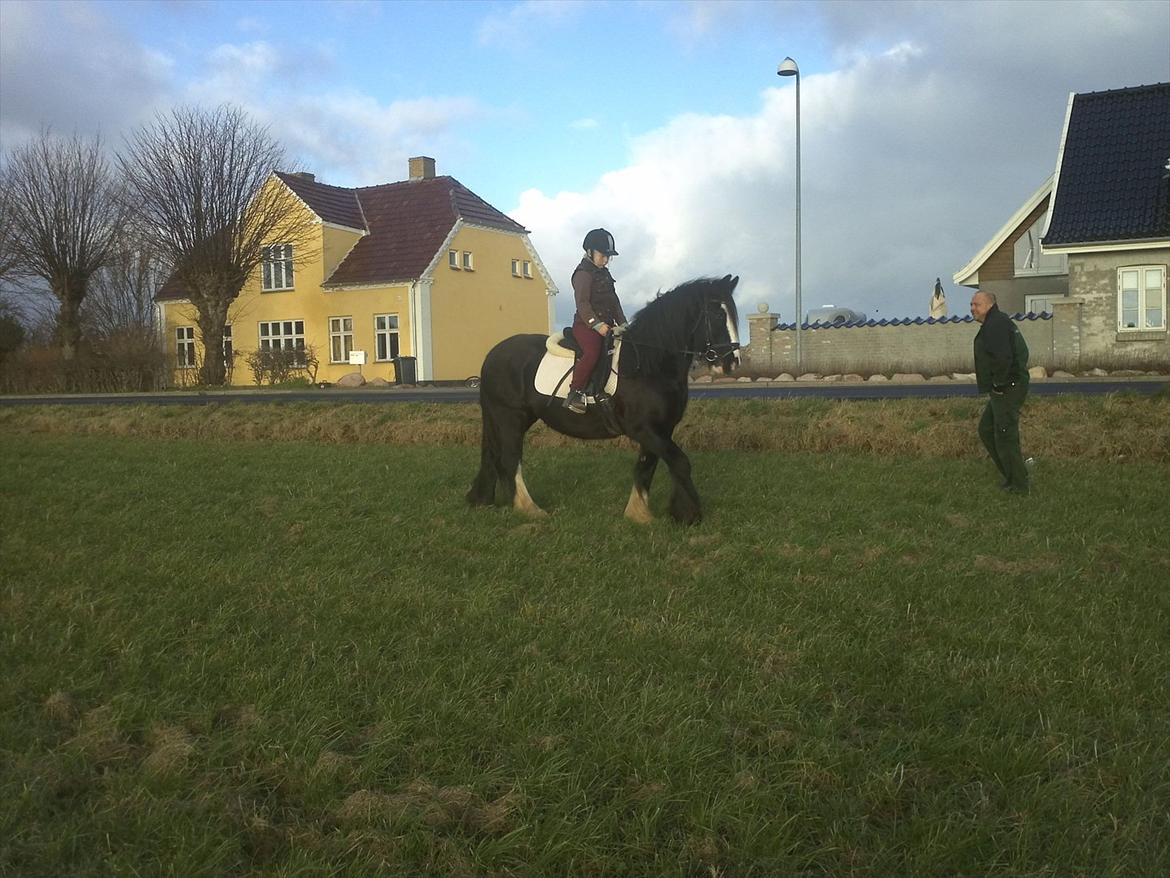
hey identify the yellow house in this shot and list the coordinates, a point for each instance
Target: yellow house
(423, 268)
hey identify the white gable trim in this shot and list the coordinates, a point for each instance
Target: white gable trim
(328, 225)
(1059, 162)
(428, 273)
(968, 275)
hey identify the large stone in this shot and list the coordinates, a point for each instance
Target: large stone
(744, 379)
(969, 377)
(1127, 373)
(378, 382)
(936, 379)
(1038, 372)
(1097, 373)
(831, 378)
(878, 379)
(809, 376)
(907, 378)
(783, 376)
(701, 379)
(852, 378)
(353, 379)
(1060, 373)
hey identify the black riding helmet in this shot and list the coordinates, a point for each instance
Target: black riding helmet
(600, 240)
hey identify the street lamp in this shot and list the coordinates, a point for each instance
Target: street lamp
(788, 68)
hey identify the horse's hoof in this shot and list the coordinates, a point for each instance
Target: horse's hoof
(637, 509)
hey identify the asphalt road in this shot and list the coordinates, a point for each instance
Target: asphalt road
(755, 390)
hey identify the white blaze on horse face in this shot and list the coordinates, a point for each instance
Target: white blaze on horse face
(732, 332)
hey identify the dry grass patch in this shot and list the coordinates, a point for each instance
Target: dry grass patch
(437, 807)
(171, 748)
(1114, 427)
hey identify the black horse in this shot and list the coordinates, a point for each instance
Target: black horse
(696, 319)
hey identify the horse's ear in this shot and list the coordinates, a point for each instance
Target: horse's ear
(732, 282)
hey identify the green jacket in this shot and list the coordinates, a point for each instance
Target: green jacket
(1001, 354)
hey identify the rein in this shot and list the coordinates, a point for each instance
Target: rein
(710, 353)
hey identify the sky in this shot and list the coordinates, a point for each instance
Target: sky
(923, 125)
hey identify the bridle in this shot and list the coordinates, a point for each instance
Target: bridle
(711, 353)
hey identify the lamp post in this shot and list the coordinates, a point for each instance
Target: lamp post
(788, 68)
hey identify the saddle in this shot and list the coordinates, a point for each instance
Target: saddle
(561, 353)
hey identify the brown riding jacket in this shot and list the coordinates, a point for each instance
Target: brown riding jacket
(596, 295)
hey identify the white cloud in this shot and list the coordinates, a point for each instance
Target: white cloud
(346, 137)
(69, 67)
(583, 124)
(520, 23)
(923, 140)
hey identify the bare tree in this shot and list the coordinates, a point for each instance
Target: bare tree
(65, 209)
(121, 300)
(8, 261)
(199, 178)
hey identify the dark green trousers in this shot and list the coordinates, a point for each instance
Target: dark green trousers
(999, 428)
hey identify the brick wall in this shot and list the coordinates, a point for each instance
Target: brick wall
(929, 348)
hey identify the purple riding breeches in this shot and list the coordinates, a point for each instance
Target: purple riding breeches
(591, 342)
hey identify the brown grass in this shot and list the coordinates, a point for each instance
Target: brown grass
(1113, 427)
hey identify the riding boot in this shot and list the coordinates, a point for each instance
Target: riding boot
(575, 402)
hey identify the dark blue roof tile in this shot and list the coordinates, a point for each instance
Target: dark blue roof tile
(1113, 182)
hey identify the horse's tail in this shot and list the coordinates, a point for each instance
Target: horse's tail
(483, 488)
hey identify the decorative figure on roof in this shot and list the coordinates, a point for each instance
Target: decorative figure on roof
(938, 302)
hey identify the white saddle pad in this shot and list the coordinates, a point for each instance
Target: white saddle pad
(556, 369)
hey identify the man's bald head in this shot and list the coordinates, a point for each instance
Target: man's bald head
(981, 303)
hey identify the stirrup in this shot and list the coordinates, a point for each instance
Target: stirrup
(576, 402)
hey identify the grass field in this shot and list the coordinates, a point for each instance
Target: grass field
(309, 658)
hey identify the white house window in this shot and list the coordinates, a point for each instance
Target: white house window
(468, 261)
(1141, 297)
(1040, 304)
(278, 268)
(1029, 259)
(515, 268)
(287, 335)
(340, 339)
(386, 336)
(528, 269)
(453, 259)
(185, 347)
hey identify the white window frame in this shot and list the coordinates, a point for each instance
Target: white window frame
(528, 269)
(185, 347)
(1145, 291)
(277, 268)
(468, 260)
(453, 259)
(340, 339)
(515, 268)
(278, 335)
(387, 335)
(1048, 298)
(1036, 261)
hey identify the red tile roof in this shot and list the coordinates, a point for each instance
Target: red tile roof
(407, 223)
(333, 204)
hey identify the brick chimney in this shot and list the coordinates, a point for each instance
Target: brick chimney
(421, 167)
(305, 175)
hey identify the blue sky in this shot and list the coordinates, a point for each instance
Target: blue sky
(924, 124)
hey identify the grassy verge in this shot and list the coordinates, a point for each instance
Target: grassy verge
(1116, 427)
(311, 659)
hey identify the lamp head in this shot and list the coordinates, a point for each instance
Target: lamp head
(788, 68)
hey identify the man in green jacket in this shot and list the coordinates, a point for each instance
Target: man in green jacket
(1001, 370)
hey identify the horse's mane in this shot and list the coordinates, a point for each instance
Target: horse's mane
(667, 320)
